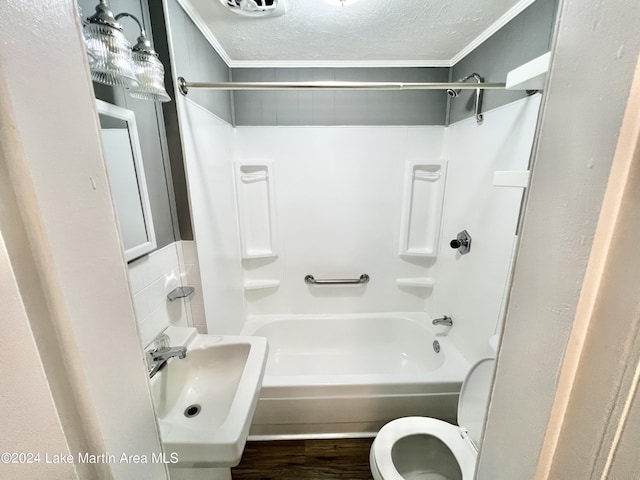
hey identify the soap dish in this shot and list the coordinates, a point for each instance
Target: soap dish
(180, 292)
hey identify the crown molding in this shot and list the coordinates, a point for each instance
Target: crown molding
(337, 63)
(208, 34)
(495, 26)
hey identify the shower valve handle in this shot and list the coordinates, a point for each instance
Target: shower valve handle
(462, 242)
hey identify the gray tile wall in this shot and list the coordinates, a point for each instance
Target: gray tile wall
(340, 107)
(197, 61)
(150, 125)
(524, 38)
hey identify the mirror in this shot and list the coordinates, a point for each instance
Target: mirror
(126, 177)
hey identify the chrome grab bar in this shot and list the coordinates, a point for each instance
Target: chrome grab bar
(364, 278)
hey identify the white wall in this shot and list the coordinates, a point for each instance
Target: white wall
(208, 148)
(470, 287)
(595, 52)
(338, 203)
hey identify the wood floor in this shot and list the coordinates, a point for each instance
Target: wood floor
(343, 459)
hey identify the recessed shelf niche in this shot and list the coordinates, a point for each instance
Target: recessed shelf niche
(256, 209)
(422, 209)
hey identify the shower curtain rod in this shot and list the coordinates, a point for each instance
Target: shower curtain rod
(185, 86)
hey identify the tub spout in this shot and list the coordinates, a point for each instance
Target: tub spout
(446, 320)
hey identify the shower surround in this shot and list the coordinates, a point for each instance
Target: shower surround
(273, 204)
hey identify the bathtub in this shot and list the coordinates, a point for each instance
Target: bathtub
(347, 375)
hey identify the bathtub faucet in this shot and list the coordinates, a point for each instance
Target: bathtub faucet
(448, 321)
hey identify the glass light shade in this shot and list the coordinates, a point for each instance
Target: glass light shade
(109, 56)
(90, 55)
(341, 3)
(150, 74)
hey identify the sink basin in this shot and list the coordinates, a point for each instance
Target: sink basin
(206, 401)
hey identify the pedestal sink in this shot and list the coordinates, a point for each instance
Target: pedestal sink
(206, 401)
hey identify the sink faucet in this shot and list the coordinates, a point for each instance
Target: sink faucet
(448, 321)
(158, 356)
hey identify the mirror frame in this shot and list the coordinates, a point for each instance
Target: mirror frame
(129, 116)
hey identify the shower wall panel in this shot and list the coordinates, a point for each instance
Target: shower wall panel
(208, 153)
(338, 197)
(471, 287)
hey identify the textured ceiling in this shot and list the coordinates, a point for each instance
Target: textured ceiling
(410, 31)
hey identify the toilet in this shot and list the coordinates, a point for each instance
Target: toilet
(422, 448)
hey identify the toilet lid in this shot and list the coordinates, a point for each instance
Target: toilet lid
(474, 397)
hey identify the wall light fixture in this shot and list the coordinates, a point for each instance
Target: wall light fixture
(113, 61)
(341, 3)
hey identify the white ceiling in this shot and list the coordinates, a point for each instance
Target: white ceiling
(367, 33)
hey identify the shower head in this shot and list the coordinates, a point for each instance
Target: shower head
(454, 93)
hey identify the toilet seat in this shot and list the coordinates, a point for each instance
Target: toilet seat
(462, 444)
(452, 436)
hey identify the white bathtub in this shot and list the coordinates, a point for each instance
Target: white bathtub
(347, 375)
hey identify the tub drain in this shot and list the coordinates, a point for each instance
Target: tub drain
(436, 346)
(192, 410)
